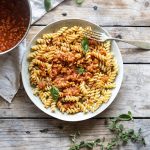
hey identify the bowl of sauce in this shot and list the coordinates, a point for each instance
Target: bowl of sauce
(15, 18)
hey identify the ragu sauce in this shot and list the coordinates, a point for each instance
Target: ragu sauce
(14, 20)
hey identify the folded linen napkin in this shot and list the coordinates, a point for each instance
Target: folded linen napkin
(10, 63)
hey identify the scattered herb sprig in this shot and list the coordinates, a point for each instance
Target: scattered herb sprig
(47, 4)
(55, 93)
(74, 136)
(121, 136)
(88, 144)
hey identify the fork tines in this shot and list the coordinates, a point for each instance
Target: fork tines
(93, 35)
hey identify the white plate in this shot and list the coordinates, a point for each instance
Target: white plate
(25, 74)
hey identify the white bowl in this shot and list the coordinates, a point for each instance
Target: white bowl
(25, 74)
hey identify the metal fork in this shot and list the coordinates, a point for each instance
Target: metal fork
(102, 37)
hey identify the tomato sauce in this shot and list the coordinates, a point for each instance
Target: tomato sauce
(14, 20)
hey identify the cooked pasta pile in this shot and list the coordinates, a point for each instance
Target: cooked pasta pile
(71, 72)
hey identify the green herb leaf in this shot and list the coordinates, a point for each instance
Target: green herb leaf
(47, 4)
(140, 130)
(55, 93)
(33, 85)
(74, 136)
(121, 136)
(85, 44)
(80, 70)
(79, 1)
(143, 141)
(125, 117)
(121, 127)
(97, 141)
(129, 113)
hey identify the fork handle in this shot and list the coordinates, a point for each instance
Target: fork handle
(137, 43)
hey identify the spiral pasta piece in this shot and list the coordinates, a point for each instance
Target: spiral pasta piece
(53, 106)
(83, 89)
(73, 110)
(71, 99)
(61, 106)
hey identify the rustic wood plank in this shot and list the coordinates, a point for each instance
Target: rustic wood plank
(130, 53)
(114, 12)
(53, 134)
(28, 133)
(134, 96)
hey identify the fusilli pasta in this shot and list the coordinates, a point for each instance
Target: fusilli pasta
(67, 78)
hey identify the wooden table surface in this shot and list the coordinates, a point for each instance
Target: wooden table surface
(22, 123)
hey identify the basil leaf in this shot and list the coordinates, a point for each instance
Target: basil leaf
(79, 1)
(55, 93)
(47, 4)
(85, 44)
(80, 70)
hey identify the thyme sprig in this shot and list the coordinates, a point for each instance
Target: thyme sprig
(122, 136)
(74, 136)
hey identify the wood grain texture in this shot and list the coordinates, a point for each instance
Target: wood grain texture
(21, 123)
(134, 96)
(130, 53)
(107, 13)
(52, 134)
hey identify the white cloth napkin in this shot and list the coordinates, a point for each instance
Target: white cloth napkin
(10, 63)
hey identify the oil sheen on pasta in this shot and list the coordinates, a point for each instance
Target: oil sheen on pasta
(55, 60)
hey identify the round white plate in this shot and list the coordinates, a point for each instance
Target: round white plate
(25, 74)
